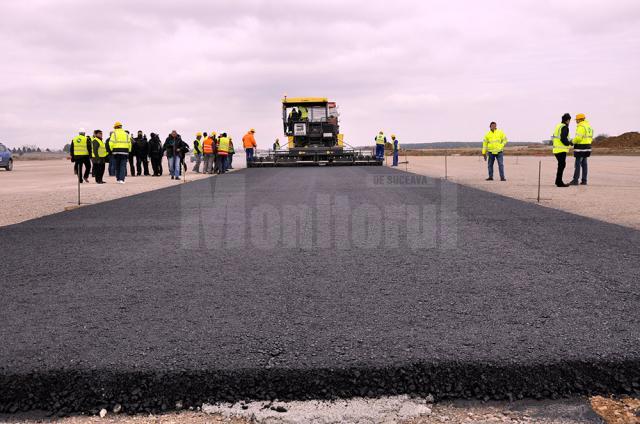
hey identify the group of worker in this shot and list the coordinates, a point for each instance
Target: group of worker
(90, 155)
(381, 142)
(495, 141)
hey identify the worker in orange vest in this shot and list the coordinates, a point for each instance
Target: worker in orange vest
(249, 144)
(208, 149)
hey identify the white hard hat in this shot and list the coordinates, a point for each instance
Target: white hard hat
(82, 131)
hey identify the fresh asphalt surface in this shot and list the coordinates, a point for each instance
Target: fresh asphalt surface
(185, 294)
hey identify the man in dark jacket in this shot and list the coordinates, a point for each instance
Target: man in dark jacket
(175, 149)
(155, 153)
(142, 153)
(132, 155)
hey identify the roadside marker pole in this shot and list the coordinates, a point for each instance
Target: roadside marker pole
(78, 186)
(446, 170)
(539, 178)
(406, 162)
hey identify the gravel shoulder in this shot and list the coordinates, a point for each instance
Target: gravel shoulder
(613, 193)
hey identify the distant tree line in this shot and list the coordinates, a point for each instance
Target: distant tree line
(28, 149)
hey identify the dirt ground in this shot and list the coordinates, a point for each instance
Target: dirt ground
(37, 188)
(400, 409)
(613, 193)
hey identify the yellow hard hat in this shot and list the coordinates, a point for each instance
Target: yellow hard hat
(117, 124)
(213, 133)
(393, 136)
(580, 116)
(199, 134)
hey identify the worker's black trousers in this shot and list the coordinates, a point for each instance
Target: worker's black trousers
(81, 161)
(133, 170)
(156, 165)
(140, 161)
(98, 170)
(562, 163)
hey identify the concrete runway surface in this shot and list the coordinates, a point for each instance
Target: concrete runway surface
(314, 283)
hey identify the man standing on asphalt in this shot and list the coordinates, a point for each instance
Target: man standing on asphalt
(222, 153)
(119, 145)
(142, 153)
(155, 153)
(276, 145)
(197, 152)
(232, 152)
(381, 140)
(208, 147)
(396, 149)
(111, 160)
(493, 145)
(582, 148)
(132, 155)
(99, 155)
(249, 144)
(173, 145)
(80, 151)
(561, 146)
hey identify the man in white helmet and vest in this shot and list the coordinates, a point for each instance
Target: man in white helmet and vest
(81, 155)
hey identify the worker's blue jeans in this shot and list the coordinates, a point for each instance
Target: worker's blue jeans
(174, 165)
(395, 158)
(379, 151)
(249, 153)
(112, 165)
(492, 159)
(581, 162)
(120, 164)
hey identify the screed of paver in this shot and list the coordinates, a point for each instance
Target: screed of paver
(205, 292)
(38, 188)
(612, 193)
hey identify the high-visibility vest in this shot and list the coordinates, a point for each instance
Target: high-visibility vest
(584, 133)
(494, 142)
(380, 139)
(304, 113)
(102, 150)
(223, 145)
(80, 145)
(197, 149)
(207, 149)
(558, 147)
(120, 140)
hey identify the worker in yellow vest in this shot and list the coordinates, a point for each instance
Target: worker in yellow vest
(381, 140)
(222, 153)
(81, 155)
(582, 148)
(493, 147)
(197, 152)
(561, 146)
(119, 145)
(98, 156)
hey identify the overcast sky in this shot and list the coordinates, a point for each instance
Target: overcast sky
(424, 70)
